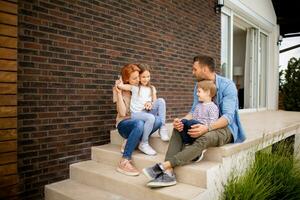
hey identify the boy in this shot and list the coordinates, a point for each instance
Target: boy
(206, 111)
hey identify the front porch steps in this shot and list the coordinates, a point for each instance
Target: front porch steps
(106, 177)
(98, 178)
(73, 190)
(193, 174)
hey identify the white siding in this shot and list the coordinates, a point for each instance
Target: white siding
(263, 8)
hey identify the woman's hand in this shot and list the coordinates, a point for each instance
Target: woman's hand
(148, 105)
(118, 90)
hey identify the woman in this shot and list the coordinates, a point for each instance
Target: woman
(130, 129)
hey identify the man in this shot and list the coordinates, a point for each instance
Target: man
(225, 130)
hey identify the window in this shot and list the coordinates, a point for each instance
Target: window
(244, 59)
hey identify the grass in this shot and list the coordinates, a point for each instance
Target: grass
(273, 175)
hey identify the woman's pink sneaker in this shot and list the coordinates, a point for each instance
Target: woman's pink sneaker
(126, 167)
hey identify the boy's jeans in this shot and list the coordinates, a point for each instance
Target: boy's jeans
(186, 138)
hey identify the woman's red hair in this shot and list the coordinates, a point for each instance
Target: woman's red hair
(127, 70)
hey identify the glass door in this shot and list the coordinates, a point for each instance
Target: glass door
(244, 59)
(262, 70)
(225, 46)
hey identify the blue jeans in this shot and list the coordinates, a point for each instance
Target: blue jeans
(159, 109)
(186, 138)
(149, 117)
(132, 130)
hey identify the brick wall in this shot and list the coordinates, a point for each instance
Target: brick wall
(70, 53)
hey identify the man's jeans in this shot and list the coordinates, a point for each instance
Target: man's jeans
(132, 130)
(158, 110)
(180, 154)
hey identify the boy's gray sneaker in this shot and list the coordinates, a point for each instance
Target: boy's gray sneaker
(163, 180)
(152, 172)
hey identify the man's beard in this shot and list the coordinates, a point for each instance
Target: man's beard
(199, 78)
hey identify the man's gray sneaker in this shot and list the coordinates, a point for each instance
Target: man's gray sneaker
(163, 180)
(154, 171)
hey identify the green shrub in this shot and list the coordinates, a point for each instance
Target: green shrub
(272, 176)
(289, 85)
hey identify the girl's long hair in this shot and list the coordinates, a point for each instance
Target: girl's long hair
(143, 68)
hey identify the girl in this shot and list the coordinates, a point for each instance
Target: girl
(144, 105)
(130, 129)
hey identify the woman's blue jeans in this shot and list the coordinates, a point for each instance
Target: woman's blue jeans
(132, 130)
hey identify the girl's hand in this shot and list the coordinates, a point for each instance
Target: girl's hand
(148, 105)
(119, 82)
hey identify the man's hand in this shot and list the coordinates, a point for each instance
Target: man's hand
(148, 105)
(177, 124)
(197, 130)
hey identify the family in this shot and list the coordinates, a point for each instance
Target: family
(212, 121)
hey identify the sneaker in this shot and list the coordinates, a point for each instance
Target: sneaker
(123, 146)
(147, 149)
(163, 180)
(199, 158)
(164, 133)
(125, 167)
(152, 172)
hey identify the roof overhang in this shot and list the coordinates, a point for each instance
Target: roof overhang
(288, 17)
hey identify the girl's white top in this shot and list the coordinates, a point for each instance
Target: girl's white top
(139, 96)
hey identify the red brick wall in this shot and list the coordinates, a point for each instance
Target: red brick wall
(70, 53)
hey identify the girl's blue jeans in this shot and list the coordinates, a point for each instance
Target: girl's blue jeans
(158, 110)
(132, 130)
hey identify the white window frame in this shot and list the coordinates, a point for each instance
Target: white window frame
(232, 15)
(267, 67)
(229, 13)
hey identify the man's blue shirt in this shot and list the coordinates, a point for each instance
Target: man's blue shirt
(227, 102)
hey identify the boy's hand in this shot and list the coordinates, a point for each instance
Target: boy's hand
(197, 130)
(177, 124)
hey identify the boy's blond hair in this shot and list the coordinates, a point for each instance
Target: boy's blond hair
(208, 85)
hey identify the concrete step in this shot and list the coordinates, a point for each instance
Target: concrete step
(107, 178)
(195, 174)
(212, 154)
(72, 190)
